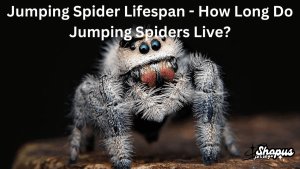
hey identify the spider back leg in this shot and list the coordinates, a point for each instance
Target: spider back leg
(230, 141)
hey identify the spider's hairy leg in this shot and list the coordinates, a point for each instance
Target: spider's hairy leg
(208, 107)
(147, 102)
(112, 116)
(230, 141)
(178, 95)
(80, 111)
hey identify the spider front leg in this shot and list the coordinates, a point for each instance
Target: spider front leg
(208, 108)
(112, 116)
(80, 113)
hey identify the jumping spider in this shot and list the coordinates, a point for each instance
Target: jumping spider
(151, 78)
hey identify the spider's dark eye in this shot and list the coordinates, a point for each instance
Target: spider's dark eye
(132, 46)
(163, 38)
(144, 49)
(155, 45)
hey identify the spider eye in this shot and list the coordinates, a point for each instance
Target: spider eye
(163, 38)
(144, 49)
(155, 45)
(132, 46)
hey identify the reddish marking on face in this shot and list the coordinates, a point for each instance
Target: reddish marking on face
(149, 78)
(167, 74)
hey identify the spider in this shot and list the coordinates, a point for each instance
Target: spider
(150, 79)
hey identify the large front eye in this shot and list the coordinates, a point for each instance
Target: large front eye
(144, 49)
(155, 45)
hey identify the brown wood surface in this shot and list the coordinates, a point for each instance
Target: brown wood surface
(176, 147)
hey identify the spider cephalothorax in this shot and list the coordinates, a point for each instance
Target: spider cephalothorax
(150, 79)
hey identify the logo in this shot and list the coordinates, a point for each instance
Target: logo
(262, 151)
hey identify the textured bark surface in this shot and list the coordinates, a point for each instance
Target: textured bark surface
(176, 147)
